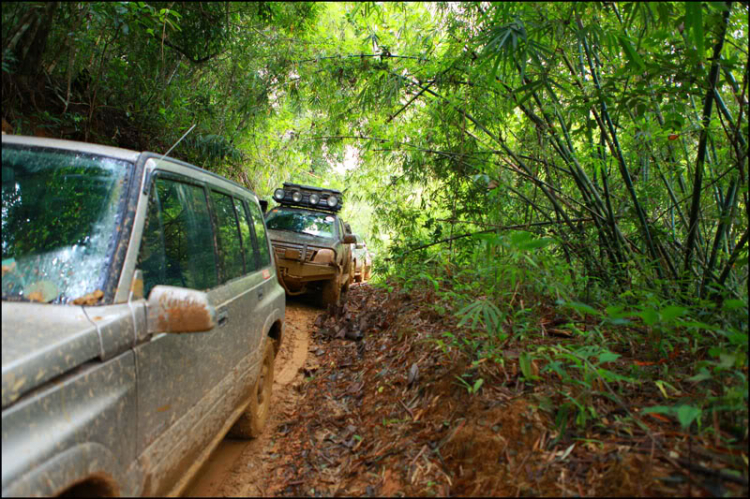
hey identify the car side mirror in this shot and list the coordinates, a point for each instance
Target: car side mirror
(179, 310)
(350, 239)
(263, 205)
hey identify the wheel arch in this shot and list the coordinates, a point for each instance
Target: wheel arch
(274, 328)
(276, 333)
(86, 470)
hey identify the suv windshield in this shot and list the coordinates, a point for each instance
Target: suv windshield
(60, 219)
(306, 222)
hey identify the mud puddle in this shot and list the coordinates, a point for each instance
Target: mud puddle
(241, 467)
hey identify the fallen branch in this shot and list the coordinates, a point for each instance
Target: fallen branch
(720, 474)
(353, 56)
(534, 224)
(410, 101)
(496, 228)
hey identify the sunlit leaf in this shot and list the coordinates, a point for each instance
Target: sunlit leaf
(672, 312)
(686, 414)
(694, 22)
(631, 53)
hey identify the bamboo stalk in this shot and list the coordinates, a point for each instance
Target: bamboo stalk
(725, 222)
(732, 258)
(707, 108)
(617, 152)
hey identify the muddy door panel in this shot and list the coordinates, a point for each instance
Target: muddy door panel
(181, 377)
(241, 329)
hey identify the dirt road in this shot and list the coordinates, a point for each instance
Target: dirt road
(239, 467)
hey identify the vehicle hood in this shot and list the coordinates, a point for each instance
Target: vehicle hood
(41, 341)
(284, 236)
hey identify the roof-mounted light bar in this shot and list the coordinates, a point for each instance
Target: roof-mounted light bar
(309, 197)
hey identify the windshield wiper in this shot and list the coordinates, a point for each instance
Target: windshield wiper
(18, 298)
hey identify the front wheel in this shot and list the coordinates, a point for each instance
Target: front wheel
(252, 421)
(331, 292)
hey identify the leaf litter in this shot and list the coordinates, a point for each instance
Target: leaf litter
(382, 413)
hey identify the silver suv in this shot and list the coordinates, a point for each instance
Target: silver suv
(106, 254)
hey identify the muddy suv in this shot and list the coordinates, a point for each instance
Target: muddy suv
(310, 242)
(106, 254)
(362, 260)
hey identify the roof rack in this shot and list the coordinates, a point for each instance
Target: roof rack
(308, 196)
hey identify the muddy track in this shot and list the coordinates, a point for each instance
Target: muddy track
(241, 467)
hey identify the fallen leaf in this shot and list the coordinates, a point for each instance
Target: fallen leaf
(89, 299)
(659, 417)
(560, 332)
(9, 268)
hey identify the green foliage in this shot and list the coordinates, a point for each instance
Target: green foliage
(141, 73)
(471, 388)
(524, 362)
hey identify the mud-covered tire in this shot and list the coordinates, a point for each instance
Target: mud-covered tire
(331, 292)
(253, 420)
(366, 274)
(344, 293)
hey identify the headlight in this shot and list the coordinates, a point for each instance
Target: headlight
(324, 256)
(314, 198)
(297, 196)
(278, 194)
(332, 201)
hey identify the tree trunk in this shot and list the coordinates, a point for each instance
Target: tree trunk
(30, 47)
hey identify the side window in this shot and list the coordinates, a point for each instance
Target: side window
(151, 259)
(228, 237)
(260, 234)
(247, 243)
(177, 245)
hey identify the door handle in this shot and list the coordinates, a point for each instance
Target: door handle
(222, 317)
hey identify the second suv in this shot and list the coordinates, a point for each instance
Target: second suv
(310, 242)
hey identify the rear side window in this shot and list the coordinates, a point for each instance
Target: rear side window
(228, 237)
(260, 233)
(177, 246)
(247, 244)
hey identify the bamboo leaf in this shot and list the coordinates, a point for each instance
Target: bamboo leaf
(631, 53)
(694, 21)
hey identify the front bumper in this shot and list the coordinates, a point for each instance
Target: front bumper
(297, 273)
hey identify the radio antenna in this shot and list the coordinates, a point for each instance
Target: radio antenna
(175, 144)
